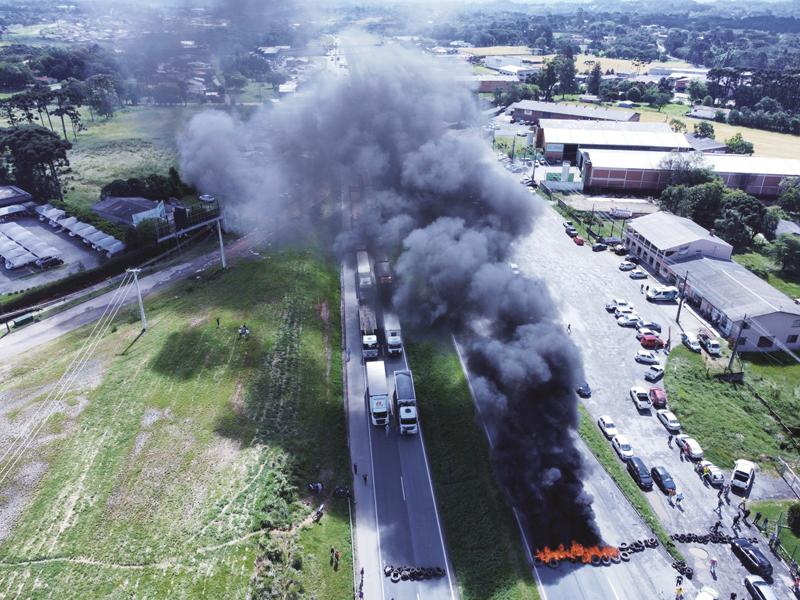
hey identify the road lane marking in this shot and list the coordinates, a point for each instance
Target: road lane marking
(613, 589)
(402, 488)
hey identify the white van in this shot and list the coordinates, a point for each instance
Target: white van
(662, 293)
(744, 473)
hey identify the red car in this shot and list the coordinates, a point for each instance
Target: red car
(658, 398)
(651, 342)
(579, 240)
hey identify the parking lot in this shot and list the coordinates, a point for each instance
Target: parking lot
(582, 282)
(75, 254)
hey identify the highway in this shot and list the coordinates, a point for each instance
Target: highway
(581, 282)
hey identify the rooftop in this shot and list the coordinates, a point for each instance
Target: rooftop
(704, 143)
(665, 230)
(732, 289)
(593, 112)
(11, 194)
(122, 209)
(612, 133)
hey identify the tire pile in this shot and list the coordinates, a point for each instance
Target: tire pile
(626, 549)
(406, 573)
(708, 538)
(623, 553)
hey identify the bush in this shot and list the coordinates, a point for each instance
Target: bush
(793, 518)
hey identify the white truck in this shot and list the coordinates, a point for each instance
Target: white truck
(394, 338)
(405, 402)
(363, 274)
(369, 331)
(377, 393)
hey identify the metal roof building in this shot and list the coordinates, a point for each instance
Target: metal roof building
(562, 138)
(11, 194)
(533, 110)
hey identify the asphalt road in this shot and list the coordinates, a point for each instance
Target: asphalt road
(396, 516)
(581, 282)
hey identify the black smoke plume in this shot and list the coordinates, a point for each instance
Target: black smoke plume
(434, 195)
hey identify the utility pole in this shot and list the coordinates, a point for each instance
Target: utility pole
(221, 245)
(139, 294)
(736, 342)
(683, 295)
(513, 147)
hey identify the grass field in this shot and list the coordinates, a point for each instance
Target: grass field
(729, 421)
(136, 142)
(255, 91)
(178, 469)
(482, 537)
(772, 510)
(601, 448)
(581, 219)
(759, 264)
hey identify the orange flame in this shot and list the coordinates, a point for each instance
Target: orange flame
(576, 552)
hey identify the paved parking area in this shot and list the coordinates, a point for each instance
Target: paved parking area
(76, 255)
(581, 282)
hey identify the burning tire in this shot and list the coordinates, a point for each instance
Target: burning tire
(606, 560)
(595, 560)
(538, 561)
(552, 563)
(616, 558)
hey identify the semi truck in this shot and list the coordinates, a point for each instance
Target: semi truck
(405, 402)
(377, 393)
(369, 332)
(363, 274)
(394, 339)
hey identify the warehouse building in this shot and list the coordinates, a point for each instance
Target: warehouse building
(644, 171)
(561, 138)
(530, 111)
(129, 211)
(661, 238)
(739, 303)
(486, 82)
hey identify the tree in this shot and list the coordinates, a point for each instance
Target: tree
(704, 129)
(548, 77)
(102, 95)
(700, 203)
(634, 94)
(677, 125)
(732, 228)
(738, 145)
(565, 69)
(708, 101)
(686, 168)
(753, 213)
(697, 90)
(659, 100)
(789, 198)
(786, 252)
(34, 157)
(14, 76)
(595, 78)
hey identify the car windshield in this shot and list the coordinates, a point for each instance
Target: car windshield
(740, 476)
(625, 447)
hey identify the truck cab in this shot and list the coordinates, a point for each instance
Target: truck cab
(369, 334)
(394, 338)
(377, 393)
(405, 402)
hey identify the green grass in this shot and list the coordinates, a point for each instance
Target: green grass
(256, 91)
(765, 267)
(581, 220)
(188, 463)
(480, 530)
(600, 447)
(772, 509)
(728, 420)
(137, 141)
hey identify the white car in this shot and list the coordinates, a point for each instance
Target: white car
(622, 447)
(607, 426)
(626, 309)
(744, 472)
(646, 357)
(690, 341)
(689, 446)
(628, 320)
(668, 420)
(715, 475)
(637, 274)
(643, 331)
(640, 397)
(626, 266)
(654, 373)
(615, 302)
(707, 593)
(758, 588)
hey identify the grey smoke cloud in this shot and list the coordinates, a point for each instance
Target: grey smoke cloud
(436, 198)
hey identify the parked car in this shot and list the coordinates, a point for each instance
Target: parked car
(690, 341)
(632, 258)
(637, 274)
(663, 479)
(639, 472)
(620, 250)
(607, 426)
(568, 225)
(599, 247)
(579, 241)
(623, 309)
(707, 593)
(758, 588)
(612, 305)
(689, 446)
(715, 476)
(627, 320)
(654, 373)
(744, 473)
(668, 420)
(710, 343)
(646, 358)
(642, 324)
(752, 558)
(584, 391)
(651, 342)
(622, 446)
(626, 266)
(658, 397)
(640, 397)
(572, 232)
(643, 331)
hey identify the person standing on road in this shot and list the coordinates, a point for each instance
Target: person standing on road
(217, 322)
(719, 493)
(679, 593)
(713, 567)
(757, 518)
(365, 478)
(743, 505)
(641, 288)
(669, 440)
(355, 469)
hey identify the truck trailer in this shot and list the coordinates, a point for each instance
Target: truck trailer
(364, 277)
(394, 339)
(405, 402)
(369, 332)
(377, 393)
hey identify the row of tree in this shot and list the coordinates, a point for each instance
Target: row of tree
(33, 158)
